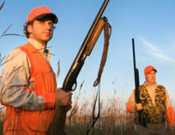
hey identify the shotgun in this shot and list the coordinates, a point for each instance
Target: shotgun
(141, 116)
(99, 24)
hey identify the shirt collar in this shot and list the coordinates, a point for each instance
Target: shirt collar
(36, 44)
(40, 47)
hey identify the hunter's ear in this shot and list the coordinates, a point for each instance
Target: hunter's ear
(29, 28)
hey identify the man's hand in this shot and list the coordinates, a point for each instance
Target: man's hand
(139, 107)
(63, 98)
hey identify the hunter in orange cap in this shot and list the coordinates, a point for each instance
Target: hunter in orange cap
(28, 86)
(155, 104)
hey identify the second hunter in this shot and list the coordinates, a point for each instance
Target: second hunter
(155, 103)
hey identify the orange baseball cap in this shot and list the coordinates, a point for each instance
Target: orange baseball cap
(41, 13)
(148, 69)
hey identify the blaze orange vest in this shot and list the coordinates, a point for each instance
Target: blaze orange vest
(26, 122)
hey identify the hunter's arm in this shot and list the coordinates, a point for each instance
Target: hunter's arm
(170, 111)
(14, 82)
(131, 103)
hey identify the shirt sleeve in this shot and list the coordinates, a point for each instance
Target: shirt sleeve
(130, 106)
(14, 82)
(170, 111)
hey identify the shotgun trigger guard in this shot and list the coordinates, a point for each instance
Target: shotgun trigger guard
(96, 82)
(74, 86)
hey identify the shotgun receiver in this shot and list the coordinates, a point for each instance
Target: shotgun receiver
(141, 116)
(70, 82)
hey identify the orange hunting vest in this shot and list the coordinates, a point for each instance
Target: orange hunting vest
(22, 122)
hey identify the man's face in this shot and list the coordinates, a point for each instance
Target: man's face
(41, 30)
(151, 77)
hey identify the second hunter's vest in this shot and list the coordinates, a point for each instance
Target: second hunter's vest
(155, 113)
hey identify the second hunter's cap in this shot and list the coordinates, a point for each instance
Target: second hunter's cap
(148, 69)
(41, 13)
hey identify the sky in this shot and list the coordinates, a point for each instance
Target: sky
(150, 22)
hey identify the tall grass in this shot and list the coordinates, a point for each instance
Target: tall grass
(113, 120)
